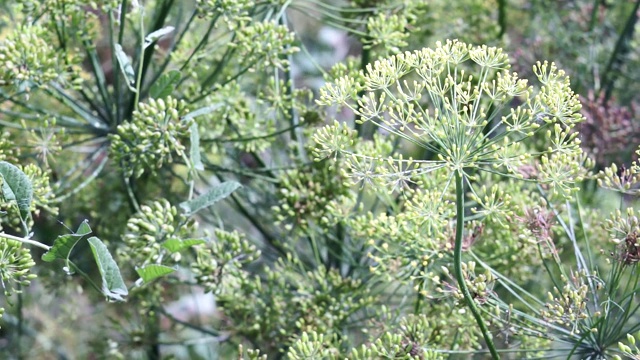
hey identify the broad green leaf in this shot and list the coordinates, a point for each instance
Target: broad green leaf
(202, 111)
(177, 245)
(64, 244)
(165, 85)
(151, 272)
(211, 197)
(156, 35)
(126, 68)
(112, 284)
(194, 151)
(16, 185)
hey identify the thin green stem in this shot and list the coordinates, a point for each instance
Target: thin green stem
(457, 264)
(619, 52)
(502, 17)
(26, 241)
(140, 62)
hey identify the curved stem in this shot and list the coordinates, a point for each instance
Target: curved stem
(457, 264)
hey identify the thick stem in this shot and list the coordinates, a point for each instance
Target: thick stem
(457, 265)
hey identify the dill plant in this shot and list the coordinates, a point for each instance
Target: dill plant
(459, 103)
(139, 114)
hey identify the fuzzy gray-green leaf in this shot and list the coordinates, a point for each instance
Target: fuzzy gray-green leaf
(157, 35)
(211, 197)
(177, 245)
(112, 284)
(16, 185)
(125, 67)
(165, 85)
(194, 151)
(64, 244)
(153, 271)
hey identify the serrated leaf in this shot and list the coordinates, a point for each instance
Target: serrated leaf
(126, 68)
(17, 186)
(211, 197)
(202, 111)
(177, 245)
(64, 244)
(151, 272)
(156, 35)
(194, 151)
(165, 84)
(112, 284)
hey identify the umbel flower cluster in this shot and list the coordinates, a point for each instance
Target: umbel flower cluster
(156, 132)
(473, 123)
(147, 231)
(461, 104)
(27, 59)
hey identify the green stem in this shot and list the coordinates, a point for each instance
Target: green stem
(502, 17)
(457, 264)
(365, 58)
(619, 52)
(26, 241)
(20, 316)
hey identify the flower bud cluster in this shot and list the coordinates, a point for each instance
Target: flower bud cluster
(624, 231)
(222, 259)
(15, 266)
(624, 180)
(631, 350)
(569, 308)
(305, 195)
(389, 31)
(28, 59)
(312, 346)
(265, 44)
(154, 134)
(280, 305)
(232, 11)
(147, 230)
(8, 150)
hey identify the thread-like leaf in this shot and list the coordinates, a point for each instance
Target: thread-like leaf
(151, 272)
(17, 186)
(165, 84)
(113, 286)
(211, 197)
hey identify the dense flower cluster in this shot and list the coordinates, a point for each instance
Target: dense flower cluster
(232, 11)
(15, 266)
(221, 260)
(624, 231)
(455, 101)
(306, 195)
(625, 180)
(28, 59)
(570, 307)
(156, 132)
(147, 232)
(265, 44)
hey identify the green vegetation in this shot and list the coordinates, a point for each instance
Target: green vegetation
(311, 179)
